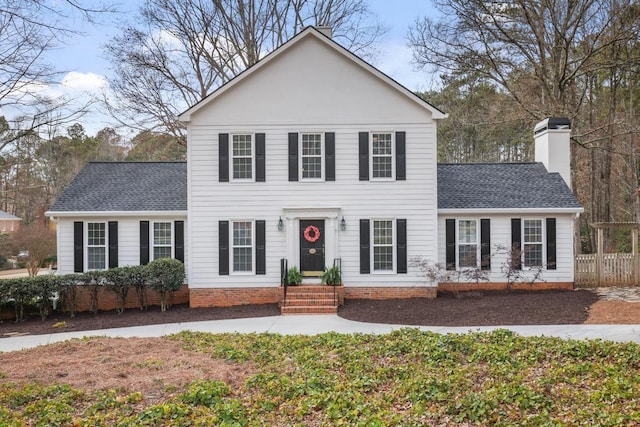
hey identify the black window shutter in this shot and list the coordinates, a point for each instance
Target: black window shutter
(485, 244)
(261, 253)
(365, 255)
(113, 244)
(363, 155)
(401, 241)
(144, 242)
(223, 248)
(293, 156)
(551, 243)
(450, 238)
(178, 229)
(260, 157)
(78, 247)
(330, 156)
(401, 162)
(223, 157)
(516, 243)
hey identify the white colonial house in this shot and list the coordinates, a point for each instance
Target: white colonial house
(314, 158)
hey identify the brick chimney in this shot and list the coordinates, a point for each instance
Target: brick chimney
(552, 137)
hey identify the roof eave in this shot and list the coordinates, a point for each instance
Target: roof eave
(168, 213)
(185, 116)
(471, 211)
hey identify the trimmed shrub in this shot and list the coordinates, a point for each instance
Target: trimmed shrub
(117, 282)
(45, 288)
(69, 285)
(166, 276)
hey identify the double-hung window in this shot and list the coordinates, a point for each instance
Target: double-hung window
(532, 249)
(242, 243)
(382, 163)
(311, 156)
(242, 156)
(467, 243)
(382, 247)
(162, 240)
(96, 246)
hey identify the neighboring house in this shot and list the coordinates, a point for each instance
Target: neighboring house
(9, 223)
(315, 157)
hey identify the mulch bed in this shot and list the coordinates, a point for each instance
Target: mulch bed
(133, 317)
(479, 308)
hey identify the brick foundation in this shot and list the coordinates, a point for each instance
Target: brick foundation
(226, 297)
(109, 301)
(541, 286)
(390, 292)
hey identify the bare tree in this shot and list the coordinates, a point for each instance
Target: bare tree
(29, 29)
(181, 51)
(38, 242)
(553, 59)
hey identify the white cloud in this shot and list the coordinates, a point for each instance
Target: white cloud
(89, 83)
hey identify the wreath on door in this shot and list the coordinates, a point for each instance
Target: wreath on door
(311, 234)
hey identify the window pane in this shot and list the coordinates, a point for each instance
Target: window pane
(382, 167)
(381, 144)
(467, 231)
(533, 255)
(161, 252)
(242, 260)
(312, 167)
(311, 144)
(242, 157)
(382, 232)
(533, 231)
(383, 258)
(241, 234)
(241, 145)
(162, 233)
(467, 255)
(96, 258)
(242, 168)
(96, 234)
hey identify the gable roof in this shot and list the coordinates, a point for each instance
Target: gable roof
(503, 186)
(6, 216)
(311, 32)
(125, 187)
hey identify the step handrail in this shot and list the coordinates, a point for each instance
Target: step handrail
(284, 279)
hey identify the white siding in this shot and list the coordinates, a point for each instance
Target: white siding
(128, 239)
(501, 236)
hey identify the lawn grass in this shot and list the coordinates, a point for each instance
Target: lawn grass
(407, 378)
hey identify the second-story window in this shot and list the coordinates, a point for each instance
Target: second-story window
(242, 157)
(311, 156)
(381, 155)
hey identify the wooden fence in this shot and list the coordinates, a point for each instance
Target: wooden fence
(607, 270)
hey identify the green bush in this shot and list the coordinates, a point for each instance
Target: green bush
(117, 282)
(45, 288)
(332, 276)
(166, 276)
(294, 277)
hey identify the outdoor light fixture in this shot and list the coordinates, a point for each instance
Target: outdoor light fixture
(280, 224)
(343, 224)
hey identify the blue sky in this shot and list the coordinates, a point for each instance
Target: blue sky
(84, 67)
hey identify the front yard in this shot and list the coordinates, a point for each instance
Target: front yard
(406, 378)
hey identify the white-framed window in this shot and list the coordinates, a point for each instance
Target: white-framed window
(311, 156)
(242, 241)
(532, 242)
(13, 225)
(96, 246)
(162, 240)
(4, 225)
(467, 244)
(382, 154)
(242, 153)
(382, 236)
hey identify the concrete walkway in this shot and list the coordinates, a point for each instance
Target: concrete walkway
(317, 324)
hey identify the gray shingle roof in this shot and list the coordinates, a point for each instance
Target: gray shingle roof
(501, 186)
(126, 186)
(7, 216)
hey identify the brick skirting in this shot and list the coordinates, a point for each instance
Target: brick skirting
(390, 292)
(109, 301)
(540, 286)
(226, 297)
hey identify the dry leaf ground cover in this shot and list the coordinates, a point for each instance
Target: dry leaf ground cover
(408, 378)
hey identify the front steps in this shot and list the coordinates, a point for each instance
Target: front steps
(311, 299)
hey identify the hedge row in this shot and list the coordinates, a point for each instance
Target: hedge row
(165, 276)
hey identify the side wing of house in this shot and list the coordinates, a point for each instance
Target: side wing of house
(506, 224)
(312, 159)
(117, 214)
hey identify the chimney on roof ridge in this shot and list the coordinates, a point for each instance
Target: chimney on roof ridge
(326, 30)
(552, 138)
